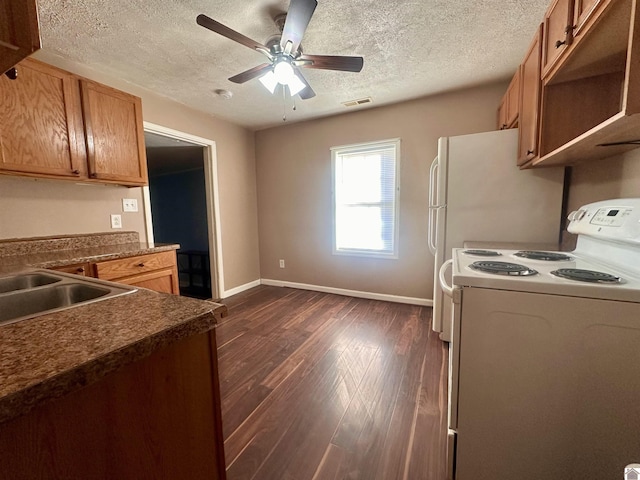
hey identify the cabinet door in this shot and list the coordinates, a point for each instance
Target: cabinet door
(557, 32)
(530, 102)
(115, 135)
(41, 123)
(513, 103)
(19, 34)
(502, 112)
(164, 281)
(582, 12)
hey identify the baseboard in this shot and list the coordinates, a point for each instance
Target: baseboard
(425, 302)
(240, 289)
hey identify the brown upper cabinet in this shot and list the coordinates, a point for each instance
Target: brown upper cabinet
(19, 33)
(584, 103)
(41, 131)
(115, 134)
(582, 10)
(591, 98)
(510, 104)
(558, 28)
(57, 125)
(530, 102)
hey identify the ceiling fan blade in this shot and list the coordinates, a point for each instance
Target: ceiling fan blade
(331, 62)
(298, 17)
(251, 73)
(225, 31)
(307, 92)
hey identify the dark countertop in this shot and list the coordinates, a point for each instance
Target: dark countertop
(61, 258)
(49, 356)
(46, 357)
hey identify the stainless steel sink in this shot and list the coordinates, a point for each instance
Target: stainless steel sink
(36, 293)
(30, 280)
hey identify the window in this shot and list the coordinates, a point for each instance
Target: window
(365, 199)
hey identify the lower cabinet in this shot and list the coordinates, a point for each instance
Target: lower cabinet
(83, 269)
(158, 418)
(155, 271)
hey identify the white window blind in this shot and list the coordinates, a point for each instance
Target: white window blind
(365, 194)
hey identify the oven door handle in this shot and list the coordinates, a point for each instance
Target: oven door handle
(446, 288)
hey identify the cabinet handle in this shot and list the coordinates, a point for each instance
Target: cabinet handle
(12, 73)
(560, 43)
(141, 264)
(76, 172)
(529, 152)
(80, 270)
(503, 127)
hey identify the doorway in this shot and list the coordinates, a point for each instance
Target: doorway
(181, 206)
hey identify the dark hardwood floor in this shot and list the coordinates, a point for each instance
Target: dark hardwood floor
(321, 386)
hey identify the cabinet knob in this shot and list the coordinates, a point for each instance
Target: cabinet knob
(503, 127)
(529, 152)
(141, 264)
(76, 172)
(12, 73)
(560, 43)
(80, 270)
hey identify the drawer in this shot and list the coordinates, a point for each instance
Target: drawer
(125, 267)
(83, 269)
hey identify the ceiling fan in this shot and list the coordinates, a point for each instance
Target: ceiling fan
(285, 55)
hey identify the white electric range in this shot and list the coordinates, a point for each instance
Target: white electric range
(545, 355)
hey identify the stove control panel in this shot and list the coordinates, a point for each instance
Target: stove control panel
(617, 220)
(611, 217)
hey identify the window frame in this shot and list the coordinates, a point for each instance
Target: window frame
(363, 147)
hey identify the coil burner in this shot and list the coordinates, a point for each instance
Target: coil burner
(591, 276)
(546, 256)
(503, 268)
(482, 253)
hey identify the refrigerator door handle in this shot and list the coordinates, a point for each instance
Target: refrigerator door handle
(433, 229)
(446, 288)
(433, 183)
(451, 455)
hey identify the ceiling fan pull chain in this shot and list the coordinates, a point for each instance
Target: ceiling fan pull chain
(284, 103)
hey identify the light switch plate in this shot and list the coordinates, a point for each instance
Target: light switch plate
(129, 205)
(116, 221)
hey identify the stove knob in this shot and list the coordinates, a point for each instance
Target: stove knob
(577, 215)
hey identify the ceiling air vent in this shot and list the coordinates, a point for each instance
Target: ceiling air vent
(355, 103)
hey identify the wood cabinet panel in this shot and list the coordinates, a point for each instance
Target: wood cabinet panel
(557, 32)
(83, 269)
(19, 32)
(156, 271)
(582, 10)
(530, 102)
(158, 418)
(41, 128)
(115, 134)
(164, 281)
(513, 100)
(509, 109)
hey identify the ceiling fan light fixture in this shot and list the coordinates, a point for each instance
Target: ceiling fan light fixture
(295, 85)
(284, 72)
(269, 81)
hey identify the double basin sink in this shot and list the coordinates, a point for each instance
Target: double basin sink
(37, 292)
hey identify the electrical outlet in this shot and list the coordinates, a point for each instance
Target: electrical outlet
(116, 221)
(281, 263)
(129, 205)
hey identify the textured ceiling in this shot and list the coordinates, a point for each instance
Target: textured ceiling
(410, 49)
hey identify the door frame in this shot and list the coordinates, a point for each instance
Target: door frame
(212, 200)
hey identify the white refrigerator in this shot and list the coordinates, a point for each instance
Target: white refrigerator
(478, 194)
